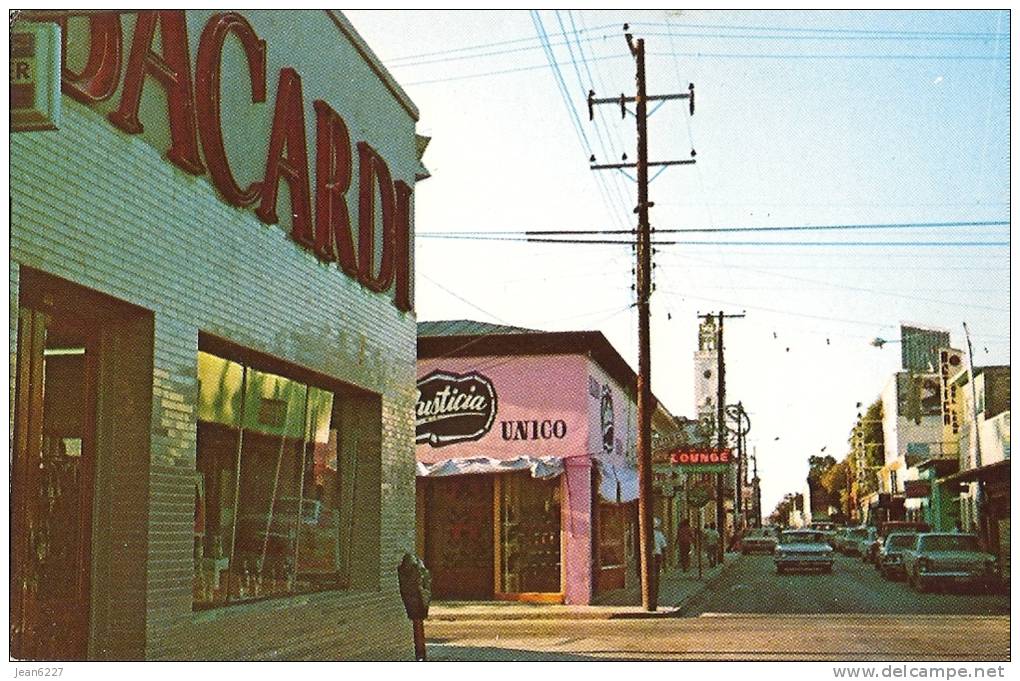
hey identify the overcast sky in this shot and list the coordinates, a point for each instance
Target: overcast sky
(836, 118)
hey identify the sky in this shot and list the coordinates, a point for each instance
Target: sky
(801, 119)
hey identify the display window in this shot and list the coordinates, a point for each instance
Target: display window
(529, 535)
(267, 485)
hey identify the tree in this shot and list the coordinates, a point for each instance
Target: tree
(820, 497)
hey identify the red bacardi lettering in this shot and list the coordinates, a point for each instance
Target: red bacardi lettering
(172, 70)
(207, 98)
(98, 80)
(333, 169)
(330, 235)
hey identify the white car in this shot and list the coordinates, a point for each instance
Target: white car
(802, 550)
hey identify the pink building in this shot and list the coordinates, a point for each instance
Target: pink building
(525, 446)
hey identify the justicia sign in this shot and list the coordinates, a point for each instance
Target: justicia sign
(453, 408)
(197, 142)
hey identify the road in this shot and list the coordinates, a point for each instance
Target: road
(751, 613)
(752, 586)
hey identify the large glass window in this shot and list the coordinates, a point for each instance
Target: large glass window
(267, 485)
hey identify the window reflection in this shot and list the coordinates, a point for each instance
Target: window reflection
(267, 501)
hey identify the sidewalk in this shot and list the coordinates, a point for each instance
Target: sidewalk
(675, 589)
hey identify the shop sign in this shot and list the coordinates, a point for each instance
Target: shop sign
(454, 408)
(320, 220)
(702, 460)
(35, 77)
(917, 489)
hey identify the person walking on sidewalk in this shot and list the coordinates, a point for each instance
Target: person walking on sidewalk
(711, 541)
(658, 550)
(684, 540)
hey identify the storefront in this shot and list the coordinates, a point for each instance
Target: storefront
(212, 340)
(527, 484)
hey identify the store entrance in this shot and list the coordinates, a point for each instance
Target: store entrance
(458, 543)
(529, 538)
(53, 479)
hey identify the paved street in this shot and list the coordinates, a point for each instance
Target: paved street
(751, 585)
(751, 613)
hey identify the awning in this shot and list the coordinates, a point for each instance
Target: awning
(540, 467)
(992, 472)
(618, 484)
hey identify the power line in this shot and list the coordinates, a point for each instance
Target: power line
(438, 56)
(706, 230)
(731, 55)
(624, 242)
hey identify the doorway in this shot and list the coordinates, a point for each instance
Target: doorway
(53, 482)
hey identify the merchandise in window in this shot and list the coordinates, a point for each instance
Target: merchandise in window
(267, 485)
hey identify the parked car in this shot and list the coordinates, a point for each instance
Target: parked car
(865, 544)
(760, 539)
(803, 549)
(829, 529)
(890, 556)
(941, 558)
(838, 539)
(894, 526)
(854, 535)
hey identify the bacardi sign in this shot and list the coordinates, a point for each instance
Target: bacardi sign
(320, 220)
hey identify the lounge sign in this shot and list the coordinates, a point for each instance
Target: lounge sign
(323, 225)
(453, 408)
(702, 459)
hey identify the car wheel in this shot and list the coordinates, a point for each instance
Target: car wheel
(780, 569)
(885, 573)
(827, 568)
(920, 584)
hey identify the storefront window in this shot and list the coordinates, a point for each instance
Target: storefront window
(529, 534)
(267, 488)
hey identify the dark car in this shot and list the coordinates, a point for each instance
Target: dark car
(890, 556)
(945, 558)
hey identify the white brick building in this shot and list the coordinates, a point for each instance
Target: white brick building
(212, 413)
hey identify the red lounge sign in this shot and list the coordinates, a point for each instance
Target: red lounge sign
(195, 124)
(701, 458)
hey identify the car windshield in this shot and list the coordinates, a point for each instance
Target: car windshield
(802, 538)
(950, 542)
(902, 541)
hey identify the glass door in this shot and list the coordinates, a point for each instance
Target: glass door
(52, 476)
(529, 535)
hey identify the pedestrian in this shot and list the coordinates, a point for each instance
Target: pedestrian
(711, 541)
(658, 551)
(684, 541)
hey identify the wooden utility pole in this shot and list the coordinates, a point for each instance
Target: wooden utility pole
(643, 271)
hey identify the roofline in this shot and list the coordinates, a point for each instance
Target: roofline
(374, 63)
(591, 343)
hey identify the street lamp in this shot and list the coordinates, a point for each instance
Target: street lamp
(879, 342)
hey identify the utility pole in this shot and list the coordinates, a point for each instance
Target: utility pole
(978, 501)
(720, 507)
(643, 271)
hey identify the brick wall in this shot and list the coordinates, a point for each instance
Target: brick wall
(105, 210)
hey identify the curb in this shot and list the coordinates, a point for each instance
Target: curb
(560, 612)
(707, 584)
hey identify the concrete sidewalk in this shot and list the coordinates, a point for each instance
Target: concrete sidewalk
(675, 590)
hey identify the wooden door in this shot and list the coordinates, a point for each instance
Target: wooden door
(53, 479)
(459, 537)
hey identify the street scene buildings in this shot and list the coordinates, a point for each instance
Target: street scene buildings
(299, 371)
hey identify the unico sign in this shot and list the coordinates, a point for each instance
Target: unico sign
(320, 220)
